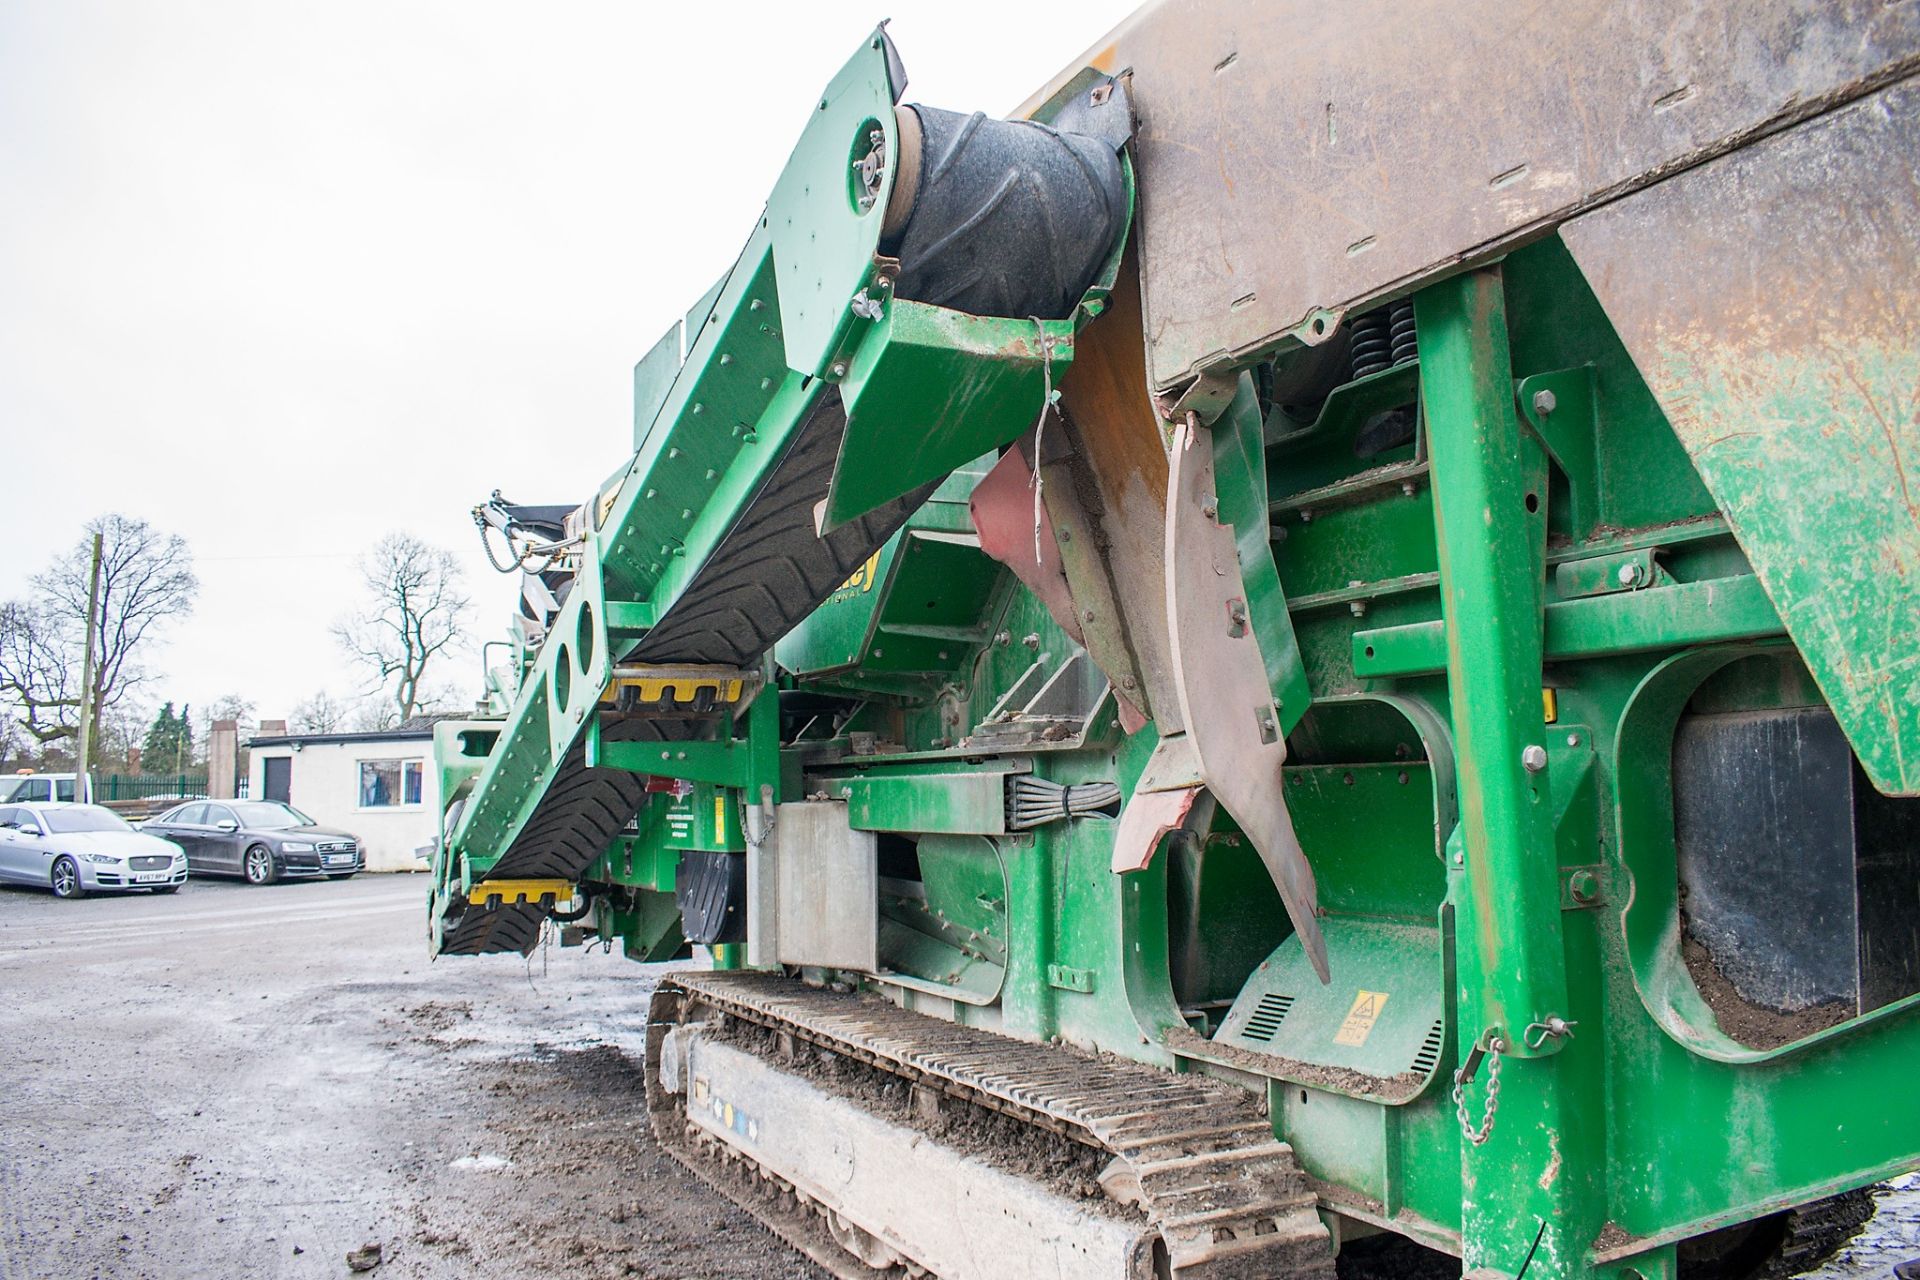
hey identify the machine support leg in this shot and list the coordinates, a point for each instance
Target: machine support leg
(1519, 1177)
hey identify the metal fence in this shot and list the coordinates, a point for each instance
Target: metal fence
(138, 786)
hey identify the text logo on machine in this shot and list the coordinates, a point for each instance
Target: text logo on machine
(859, 582)
(1358, 1024)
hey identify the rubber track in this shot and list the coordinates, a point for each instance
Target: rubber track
(769, 571)
(1228, 1199)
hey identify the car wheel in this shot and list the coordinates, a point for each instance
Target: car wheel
(66, 879)
(258, 865)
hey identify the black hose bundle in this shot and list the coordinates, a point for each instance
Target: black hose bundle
(1034, 802)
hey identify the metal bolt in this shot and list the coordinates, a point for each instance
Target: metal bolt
(1544, 403)
(1584, 886)
(1573, 739)
(1409, 488)
(1629, 574)
(1533, 758)
(1358, 608)
(839, 369)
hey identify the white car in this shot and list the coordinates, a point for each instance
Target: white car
(77, 849)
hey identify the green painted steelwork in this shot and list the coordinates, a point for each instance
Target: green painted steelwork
(1483, 635)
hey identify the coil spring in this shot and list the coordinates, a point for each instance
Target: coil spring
(1372, 346)
(1406, 344)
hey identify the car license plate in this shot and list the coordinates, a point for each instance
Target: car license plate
(156, 877)
(338, 859)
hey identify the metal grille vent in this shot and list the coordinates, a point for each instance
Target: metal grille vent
(1429, 1056)
(1267, 1017)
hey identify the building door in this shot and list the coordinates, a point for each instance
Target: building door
(279, 779)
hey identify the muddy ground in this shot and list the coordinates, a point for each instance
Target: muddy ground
(254, 1082)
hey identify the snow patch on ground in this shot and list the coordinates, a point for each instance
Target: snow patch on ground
(1892, 1237)
(485, 1162)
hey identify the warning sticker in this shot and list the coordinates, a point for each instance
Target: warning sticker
(1358, 1024)
(719, 816)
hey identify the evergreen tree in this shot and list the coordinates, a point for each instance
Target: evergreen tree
(169, 743)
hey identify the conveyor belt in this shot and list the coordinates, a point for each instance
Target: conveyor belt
(1227, 1198)
(768, 572)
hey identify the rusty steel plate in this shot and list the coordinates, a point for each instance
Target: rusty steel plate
(1769, 300)
(1299, 159)
(1220, 678)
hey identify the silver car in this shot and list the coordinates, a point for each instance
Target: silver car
(77, 849)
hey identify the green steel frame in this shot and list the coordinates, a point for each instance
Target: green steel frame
(1481, 641)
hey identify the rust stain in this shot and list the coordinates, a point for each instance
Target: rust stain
(1104, 394)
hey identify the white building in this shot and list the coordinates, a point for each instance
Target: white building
(381, 786)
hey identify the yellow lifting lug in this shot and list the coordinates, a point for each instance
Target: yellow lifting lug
(643, 686)
(536, 892)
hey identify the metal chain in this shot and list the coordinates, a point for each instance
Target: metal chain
(1479, 1136)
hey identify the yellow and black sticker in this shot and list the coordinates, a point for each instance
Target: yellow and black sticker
(1358, 1024)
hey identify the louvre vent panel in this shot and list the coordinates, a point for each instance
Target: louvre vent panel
(1267, 1017)
(1429, 1055)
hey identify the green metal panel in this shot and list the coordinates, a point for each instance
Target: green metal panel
(708, 817)
(1684, 613)
(1378, 1032)
(1240, 476)
(927, 799)
(991, 376)
(1788, 364)
(1368, 830)
(823, 241)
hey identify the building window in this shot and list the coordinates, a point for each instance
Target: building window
(387, 783)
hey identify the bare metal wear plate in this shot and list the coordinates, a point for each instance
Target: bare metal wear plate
(1299, 159)
(1221, 680)
(1768, 300)
(826, 888)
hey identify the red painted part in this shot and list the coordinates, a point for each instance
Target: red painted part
(1148, 817)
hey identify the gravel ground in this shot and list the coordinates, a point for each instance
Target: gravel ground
(256, 1082)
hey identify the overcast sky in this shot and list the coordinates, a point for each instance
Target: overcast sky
(282, 277)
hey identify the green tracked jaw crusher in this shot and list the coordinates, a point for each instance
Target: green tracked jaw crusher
(1316, 638)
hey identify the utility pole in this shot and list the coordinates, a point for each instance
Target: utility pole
(87, 709)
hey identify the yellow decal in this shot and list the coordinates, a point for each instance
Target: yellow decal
(1358, 1023)
(720, 816)
(859, 582)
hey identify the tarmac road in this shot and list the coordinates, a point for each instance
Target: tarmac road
(242, 1082)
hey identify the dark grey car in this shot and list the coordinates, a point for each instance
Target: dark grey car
(260, 841)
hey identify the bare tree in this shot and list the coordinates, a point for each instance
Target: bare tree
(414, 610)
(36, 675)
(322, 713)
(146, 579)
